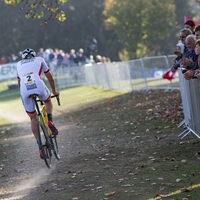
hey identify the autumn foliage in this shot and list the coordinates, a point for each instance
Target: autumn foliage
(44, 9)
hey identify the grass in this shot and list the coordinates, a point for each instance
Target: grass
(140, 151)
(62, 81)
(127, 145)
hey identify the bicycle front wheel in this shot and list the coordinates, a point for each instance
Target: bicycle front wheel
(44, 145)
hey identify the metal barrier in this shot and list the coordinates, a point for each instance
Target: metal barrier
(190, 92)
(140, 74)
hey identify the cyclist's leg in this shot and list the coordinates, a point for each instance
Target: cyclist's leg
(29, 107)
(49, 108)
(48, 105)
(33, 118)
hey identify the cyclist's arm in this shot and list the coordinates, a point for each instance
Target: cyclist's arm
(51, 82)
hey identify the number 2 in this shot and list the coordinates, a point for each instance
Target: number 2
(29, 78)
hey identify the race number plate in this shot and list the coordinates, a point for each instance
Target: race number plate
(29, 81)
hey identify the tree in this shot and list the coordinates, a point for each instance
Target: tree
(139, 22)
(47, 9)
(84, 21)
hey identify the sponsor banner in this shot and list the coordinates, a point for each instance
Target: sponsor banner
(8, 71)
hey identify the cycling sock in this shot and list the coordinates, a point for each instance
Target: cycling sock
(49, 116)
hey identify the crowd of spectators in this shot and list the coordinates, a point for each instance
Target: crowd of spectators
(187, 51)
(58, 57)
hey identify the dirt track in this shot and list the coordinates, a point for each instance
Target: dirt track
(25, 176)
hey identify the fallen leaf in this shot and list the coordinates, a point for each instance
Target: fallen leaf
(110, 194)
(178, 180)
(162, 188)
(85, 189)
(75, 198)
(154, 160)
(19, 162)
(186, 189)
(159, 132)
(181, 143)
(110, 99)
(128, 185)
(3, 175)
(58, 189)
(183, 161)
(90, 185)
(100, 187)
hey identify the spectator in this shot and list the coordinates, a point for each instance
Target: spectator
(197, 32)
(51, 55)
(98, 59)
(12, 59)
(189, 62)
(196, 71)
(46, 55)
(72, 57)
(65, 61)
(103, 59)
(92, 48)
(3, 60)
(92, 59)
(179, 52)
(51, 61)
(108, 60)
(190, 25)
(59, 57)
(80, 58)
(19, 56)
(40, 53)
(183, 34)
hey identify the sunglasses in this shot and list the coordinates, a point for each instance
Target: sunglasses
(181, 36)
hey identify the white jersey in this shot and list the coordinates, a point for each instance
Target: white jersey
(29, 73)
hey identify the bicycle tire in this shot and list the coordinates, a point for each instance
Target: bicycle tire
(55, 147)
(44, 144)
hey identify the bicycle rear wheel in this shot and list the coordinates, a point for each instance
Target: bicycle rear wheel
(44, 144)
(55, 147)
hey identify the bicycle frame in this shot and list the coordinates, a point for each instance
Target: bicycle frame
(41, 114)
(43, 120)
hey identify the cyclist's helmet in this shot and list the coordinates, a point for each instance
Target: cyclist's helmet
(28, 51)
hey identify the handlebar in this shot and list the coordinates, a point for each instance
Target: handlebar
(57, 98)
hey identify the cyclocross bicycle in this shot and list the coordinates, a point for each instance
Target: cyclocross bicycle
(47, 142)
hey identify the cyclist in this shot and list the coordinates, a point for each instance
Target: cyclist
(29, 71)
